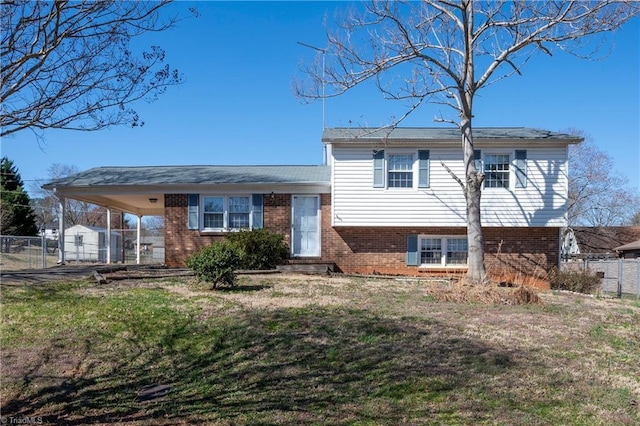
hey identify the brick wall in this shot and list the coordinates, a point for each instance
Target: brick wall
(179, 241)
(510, 252)
(277, 215)
(513, 252)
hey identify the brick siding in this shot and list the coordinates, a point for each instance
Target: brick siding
(181, 242)
(509, 252)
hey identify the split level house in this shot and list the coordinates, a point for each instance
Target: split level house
(383, 202)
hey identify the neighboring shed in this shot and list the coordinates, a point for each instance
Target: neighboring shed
(152, 249)
(629, 251)
(88, 244)
(598, 242)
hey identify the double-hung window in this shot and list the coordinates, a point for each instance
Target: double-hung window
(397, 170)
(443, 251)
(431, 251)
(457, 251)
(496, 171)
(239, 212)
(400, 171)
(226, 212)
(213, 212)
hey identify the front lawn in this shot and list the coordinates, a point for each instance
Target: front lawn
(294, 349)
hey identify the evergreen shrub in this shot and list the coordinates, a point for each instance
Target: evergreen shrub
(261, 248)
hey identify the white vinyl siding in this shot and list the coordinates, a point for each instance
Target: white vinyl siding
(357, 203)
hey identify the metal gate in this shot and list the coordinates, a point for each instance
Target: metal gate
(619, 276)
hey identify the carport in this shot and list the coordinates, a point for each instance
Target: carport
(115, 189)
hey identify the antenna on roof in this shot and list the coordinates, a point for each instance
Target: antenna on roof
(324, 52)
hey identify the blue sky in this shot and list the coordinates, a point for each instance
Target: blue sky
(237, 106)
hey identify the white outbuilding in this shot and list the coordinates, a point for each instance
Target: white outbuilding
(89, 244)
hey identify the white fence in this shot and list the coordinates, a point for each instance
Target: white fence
(619, 276)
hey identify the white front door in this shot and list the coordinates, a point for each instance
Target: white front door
(305, 226)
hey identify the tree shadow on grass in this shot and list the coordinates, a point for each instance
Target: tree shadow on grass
(243, 288)
(293, 365)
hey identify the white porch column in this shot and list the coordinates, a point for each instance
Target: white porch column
(138, 228)
(108, 236)
(62, 207)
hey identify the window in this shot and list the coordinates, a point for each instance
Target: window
(226, 212)
(457, 250)
(400, 171)
(239, 209)
(431, 251)
(443, 251)
(213, 212)
(496, 171)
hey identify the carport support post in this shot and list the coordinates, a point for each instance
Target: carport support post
(138, 227)
(62, 203)
(43, 246)
(107, 238)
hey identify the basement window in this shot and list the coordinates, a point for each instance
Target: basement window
(443, 251)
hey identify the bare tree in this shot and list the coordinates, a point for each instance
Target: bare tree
(598, 195)
(153, 225)
(446, 51)
(76, 212)
(69, 65)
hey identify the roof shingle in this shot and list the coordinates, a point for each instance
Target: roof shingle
(214, 175)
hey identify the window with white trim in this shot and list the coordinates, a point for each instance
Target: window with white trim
(443, 251)
(400, 171)
(226, 212)
(496, 171)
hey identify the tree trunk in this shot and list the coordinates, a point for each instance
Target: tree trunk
(473, 178)
(476, 272)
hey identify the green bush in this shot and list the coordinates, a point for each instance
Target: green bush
(216, 263)
(580, 281)
(261, 249)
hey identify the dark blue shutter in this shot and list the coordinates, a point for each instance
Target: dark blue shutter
(378, 169)
(477, 158)
(412, 250)
(423, 169)
(256, 207)
(521, 168)
(192, 211)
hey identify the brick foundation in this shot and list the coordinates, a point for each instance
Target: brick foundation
(510, 253)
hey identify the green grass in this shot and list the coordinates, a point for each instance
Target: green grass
(356, 352)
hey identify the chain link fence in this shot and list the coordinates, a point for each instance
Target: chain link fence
(27, 252)
(620, 277)
(81, 246)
